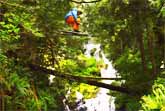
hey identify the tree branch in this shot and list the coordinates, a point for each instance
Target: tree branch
(99, 78)
(159, 10)
(81, 79)
(73, 33)
(85, 1)
(14, 5)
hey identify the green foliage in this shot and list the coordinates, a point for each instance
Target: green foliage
(3, 59)
(30, 33)
(10, 31)
(18, 90)
(83, 67)
(87, 66)
(12, 84)
(19, 39)
(125, 102)
(87, 91)
(68, 66)
(129, 59)
(132, 105)
(155, 100)
(119, 25)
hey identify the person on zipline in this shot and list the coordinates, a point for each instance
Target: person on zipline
(72, 19)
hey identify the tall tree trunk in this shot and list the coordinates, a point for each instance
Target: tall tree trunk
(141, 46)
(151, 52)
(1, 109)
(121, 46)
(2, 104)
(1, 94)
(35, 96)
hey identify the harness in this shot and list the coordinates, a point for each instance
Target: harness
(74, 16)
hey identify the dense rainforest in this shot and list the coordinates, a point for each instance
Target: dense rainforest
(32, 48)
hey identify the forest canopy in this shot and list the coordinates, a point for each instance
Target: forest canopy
(131, 32)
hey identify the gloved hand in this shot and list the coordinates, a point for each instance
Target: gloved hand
(78, 20)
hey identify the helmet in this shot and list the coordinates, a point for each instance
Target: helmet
(79, 10)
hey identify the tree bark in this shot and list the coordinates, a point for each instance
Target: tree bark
(73, 33)
(1, 99)
(141, 46)
(79, 2)
(151, 52)
(35, 95)
(2, 104)
(1, 109)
